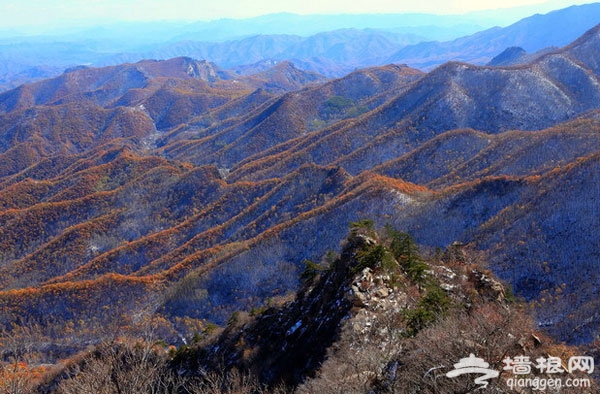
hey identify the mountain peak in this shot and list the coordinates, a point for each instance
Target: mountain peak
(284, 76)
(183, 67)
(508, 57)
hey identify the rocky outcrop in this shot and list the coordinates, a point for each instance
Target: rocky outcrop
(488, 287)
(289, 343)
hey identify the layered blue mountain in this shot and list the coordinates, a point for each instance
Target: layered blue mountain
(330, 45)
(532, 34)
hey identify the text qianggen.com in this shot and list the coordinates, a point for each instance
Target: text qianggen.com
(542, 384)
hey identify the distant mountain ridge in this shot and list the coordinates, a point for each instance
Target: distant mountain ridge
(557, 28)
(333, 48)
(349, 49)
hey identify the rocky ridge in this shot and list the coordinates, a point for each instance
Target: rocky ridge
(354, 327)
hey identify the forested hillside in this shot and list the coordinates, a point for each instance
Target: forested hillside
(167, 195)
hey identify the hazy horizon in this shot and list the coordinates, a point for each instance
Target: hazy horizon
(39, 16)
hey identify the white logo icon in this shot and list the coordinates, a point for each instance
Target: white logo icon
(473, 364)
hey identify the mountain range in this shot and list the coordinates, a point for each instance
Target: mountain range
(176, 192)
(532, 34)
(330, 45)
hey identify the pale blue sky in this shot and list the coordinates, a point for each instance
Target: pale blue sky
(14, 13)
